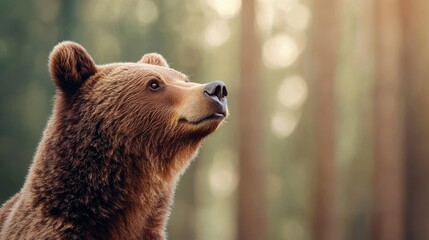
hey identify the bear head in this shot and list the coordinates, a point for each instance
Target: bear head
(145, 110)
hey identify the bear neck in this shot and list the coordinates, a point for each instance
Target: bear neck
(83, 177)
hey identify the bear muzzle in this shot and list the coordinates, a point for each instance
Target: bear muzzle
(209, 104)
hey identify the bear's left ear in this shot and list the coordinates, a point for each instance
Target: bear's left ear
(154, 59)
(70, 65)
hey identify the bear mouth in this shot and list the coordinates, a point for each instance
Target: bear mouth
(212, 117)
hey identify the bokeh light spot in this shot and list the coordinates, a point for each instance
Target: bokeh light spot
(222, 176)
(292, 92)
(146, 12)
(283, 123)
(280, 51)
(299, 17)
(265, 16)
(225, 8)
(217, 33)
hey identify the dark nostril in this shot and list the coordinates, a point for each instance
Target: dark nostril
(218, 92)
(217, 89)
(225, 92)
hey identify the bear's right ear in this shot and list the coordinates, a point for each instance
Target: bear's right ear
(70, 65)
(154, 59)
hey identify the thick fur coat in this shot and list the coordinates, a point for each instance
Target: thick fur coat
(119, 138)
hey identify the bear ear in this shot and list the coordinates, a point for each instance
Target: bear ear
(70, 65)
(154, 59)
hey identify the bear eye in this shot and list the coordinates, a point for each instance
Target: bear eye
(154, 85)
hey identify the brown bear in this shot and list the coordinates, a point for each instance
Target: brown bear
(119, 138)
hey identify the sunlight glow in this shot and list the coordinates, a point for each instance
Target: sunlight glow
(280, 51)
(292, 92)
(217, 33)
(283, 123)
(222, 176)
(225, 8)
(298, 17)
(146, 11)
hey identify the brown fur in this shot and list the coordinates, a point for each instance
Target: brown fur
(112, 152)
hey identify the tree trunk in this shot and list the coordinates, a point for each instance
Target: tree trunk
(323, 51)
(415, 16)
(251, 191)
(388, 199)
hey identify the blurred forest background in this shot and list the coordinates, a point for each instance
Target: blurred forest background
(328, 136)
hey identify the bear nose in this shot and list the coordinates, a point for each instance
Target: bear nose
(216, 89)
